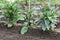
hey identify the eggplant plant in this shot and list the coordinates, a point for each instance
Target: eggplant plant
(10, 12)
(48, 18)
(29, 21)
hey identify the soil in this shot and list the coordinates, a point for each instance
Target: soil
(32, 34)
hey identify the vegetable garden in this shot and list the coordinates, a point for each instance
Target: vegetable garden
(30, 18)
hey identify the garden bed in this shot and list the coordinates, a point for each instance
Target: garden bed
(14, 28)
(32, 34)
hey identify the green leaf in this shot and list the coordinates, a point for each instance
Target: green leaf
(47, 24)
(21, 17)
(28, 13)
(9, 25)
(24, 30)
(52, 26)
(41, 16)
(1, 16)
(43, 27)
(46, 8)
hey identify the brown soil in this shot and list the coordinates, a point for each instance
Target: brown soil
(32, 34)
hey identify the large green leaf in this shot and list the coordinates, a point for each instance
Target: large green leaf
(1, 16)
(43, 27)
(47, 24)
(24, 30)
(53, 26)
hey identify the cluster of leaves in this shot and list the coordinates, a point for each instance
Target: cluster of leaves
(10, 11)
(48, 18)
(29, 21)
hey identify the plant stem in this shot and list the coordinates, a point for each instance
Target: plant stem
(29, 5)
